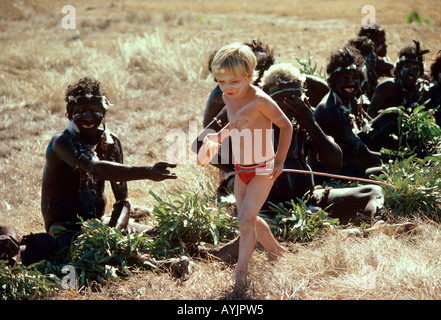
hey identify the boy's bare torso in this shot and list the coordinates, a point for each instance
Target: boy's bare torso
(250, 129)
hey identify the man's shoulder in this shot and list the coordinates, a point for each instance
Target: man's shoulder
(326, 105)
(62, 136)
(387, 84)
(111, 137)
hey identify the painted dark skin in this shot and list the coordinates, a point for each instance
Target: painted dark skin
(383, 68)
(74, 177)
(390, 94)
(9, 244)
(434, 94)
(360, 151)
(73, 185)
(346, 202)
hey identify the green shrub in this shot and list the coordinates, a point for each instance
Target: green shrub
(309, 67)
(418, 132)
(296, 222)
(418, 183)
(101, 253)
(191, 219)
(24, 283)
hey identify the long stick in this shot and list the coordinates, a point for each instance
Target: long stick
(337, 176)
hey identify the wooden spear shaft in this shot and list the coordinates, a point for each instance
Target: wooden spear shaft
(337, 176)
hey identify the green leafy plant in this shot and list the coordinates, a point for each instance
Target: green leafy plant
(418, 132)
(296, 222)
(200, 20)
(103, 253)
(191, 218)
(415, 16)
(418, 183)
(307, 66)
(24, 283)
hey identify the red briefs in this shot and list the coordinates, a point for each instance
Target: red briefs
(265, 167)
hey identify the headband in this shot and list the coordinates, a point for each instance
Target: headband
(104, 102)
(419, 55)
(339, 68)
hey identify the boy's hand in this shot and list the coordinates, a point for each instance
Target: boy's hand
(160, 172)
(213, 137)
(277, 171)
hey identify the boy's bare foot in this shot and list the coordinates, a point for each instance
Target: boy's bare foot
(275, 256)
(239, 280)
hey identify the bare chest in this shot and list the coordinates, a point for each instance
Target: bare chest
(245, 116)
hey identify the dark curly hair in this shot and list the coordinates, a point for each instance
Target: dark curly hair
(435, 67)
(85, 87)
(342, 59)
(372, 33)
(264, 64)
(362, 44)
(411, 53)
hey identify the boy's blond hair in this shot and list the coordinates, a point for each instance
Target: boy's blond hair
(238, 58)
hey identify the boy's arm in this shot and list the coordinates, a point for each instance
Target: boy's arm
(214, 126)
(272, 111)
(285, 137)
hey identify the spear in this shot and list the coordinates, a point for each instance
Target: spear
(337, 176)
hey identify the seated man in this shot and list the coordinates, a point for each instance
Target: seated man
(367, 50)
(283, 83)
(407, 89)
(343, 118)
(79, 160)
(434, 93)
(383, 67)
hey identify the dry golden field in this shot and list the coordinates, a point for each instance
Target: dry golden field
(152, 59)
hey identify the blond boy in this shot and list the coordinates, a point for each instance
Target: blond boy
(251, 113)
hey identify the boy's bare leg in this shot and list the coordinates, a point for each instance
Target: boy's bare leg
(266, 238)
(249, 201)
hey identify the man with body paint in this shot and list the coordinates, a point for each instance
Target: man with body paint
(79, 160)
(343, 118)
(407, 89)
(383, 66)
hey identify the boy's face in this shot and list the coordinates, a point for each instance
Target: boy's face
(87, 116)
(232, 85)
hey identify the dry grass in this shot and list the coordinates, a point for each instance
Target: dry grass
(152, 57)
